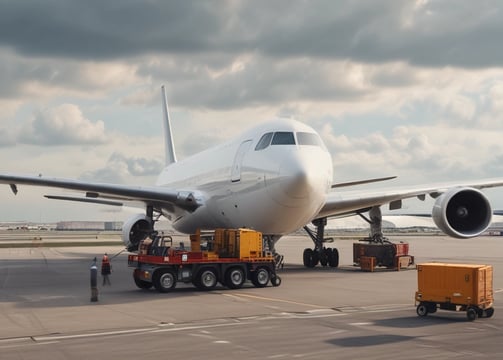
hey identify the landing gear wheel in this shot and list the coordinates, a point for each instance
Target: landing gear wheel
(207, 279)
(324, 256)
(164, 280)
(471, 313)
(333, 257)
(422, 310)
(142, 284)
(235, 278)
(306, 257)
(261, 277)
(311, 258)
(275, 280)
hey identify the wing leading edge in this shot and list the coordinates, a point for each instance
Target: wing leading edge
(351, 202)
(186, 200)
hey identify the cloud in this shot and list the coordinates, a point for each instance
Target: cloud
(426, 33)
(120, 169)
(63, 125)
(104, 30)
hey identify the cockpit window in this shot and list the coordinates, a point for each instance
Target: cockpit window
(305, 138)
(283, 138)
(264, 141)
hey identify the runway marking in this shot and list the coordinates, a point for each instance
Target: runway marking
(276, 300)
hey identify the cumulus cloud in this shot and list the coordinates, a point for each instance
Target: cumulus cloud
(121, 168)
(63, 125)
(396, 88)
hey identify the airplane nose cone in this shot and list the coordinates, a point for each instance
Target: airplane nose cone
(300, 182)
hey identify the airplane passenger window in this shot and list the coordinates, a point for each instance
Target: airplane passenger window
(283, 138)
(264, 141)
(304, 138)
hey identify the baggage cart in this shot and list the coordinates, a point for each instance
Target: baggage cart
(455, 287)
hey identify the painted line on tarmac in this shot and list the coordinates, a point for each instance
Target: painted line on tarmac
(88, 335)
(276, 300)
(196, 327)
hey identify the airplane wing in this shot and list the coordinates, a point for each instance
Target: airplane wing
(352, 202)
(95, 192)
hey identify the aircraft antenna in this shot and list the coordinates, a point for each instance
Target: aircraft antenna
(168, 134)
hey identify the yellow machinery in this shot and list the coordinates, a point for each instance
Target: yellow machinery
(457, 287)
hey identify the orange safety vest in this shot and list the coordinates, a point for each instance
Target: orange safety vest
(106, 268)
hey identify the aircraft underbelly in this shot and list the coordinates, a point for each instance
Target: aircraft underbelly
(250, 206)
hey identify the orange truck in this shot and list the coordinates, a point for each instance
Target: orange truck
(227, 256)
(455, 287)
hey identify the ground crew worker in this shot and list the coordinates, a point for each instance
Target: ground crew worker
(106, 269)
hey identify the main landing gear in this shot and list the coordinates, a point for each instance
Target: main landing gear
(320, 254)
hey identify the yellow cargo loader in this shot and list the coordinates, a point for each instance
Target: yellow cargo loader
(455, 287)
(229, 256)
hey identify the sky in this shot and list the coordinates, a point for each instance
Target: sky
(406, 88)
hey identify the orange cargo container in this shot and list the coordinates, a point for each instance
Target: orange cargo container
(458, 287)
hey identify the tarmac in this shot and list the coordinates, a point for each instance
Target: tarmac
(344, 313)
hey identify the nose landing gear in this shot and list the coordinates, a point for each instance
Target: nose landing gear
(320, 254)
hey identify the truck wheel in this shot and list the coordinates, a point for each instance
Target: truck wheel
(142, 284)
(489, 312)
(471, 313)
(164, 280)
(422, 310)
(234, 278)
(261, 277)
(275, 280)
(207, 279)
(432, 308)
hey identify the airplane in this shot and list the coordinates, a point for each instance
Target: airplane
(275, 178)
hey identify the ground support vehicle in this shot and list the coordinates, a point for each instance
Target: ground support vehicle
(228, 256)
(369, 254)
(455, 287)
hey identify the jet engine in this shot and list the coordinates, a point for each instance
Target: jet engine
(135, 229)
(462, 212)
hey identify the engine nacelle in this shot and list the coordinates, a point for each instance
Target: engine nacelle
(462, 212)
(135, 229)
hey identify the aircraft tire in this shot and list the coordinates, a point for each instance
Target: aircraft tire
(324, 254)
(306, 257)
(333, 257)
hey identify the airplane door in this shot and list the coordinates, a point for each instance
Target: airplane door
(238, 160)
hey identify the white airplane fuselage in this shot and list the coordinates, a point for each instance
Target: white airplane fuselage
(274, 188)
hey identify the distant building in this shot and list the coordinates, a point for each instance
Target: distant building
(89, 226)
